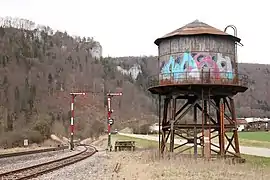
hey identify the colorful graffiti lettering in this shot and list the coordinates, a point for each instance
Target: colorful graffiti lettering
(191, 64)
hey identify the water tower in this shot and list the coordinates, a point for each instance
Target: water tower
(198, 77)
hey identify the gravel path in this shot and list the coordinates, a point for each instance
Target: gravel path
(92, 168)
(12, 163)
(264, 152)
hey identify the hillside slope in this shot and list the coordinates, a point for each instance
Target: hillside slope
(39, 68)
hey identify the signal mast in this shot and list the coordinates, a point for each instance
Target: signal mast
(110, 120)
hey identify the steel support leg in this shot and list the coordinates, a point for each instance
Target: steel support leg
(164, 123)
(159, 123)
(206, 133)
(236, 141)
(222, 132)
(172, 124)
(195, 132)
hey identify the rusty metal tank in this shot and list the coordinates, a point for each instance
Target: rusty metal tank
(198, 53)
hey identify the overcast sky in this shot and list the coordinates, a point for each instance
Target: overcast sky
(129, 27)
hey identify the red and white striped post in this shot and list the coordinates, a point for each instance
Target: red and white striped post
(73, 95)
(110, 120)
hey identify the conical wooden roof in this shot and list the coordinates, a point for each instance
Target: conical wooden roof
(196, 28)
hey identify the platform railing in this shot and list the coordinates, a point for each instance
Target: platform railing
(198, 77)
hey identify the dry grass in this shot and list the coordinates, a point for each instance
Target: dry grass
(145, 165)
(150, 144)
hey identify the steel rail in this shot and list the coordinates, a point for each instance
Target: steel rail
(21, 153)
(42, 168)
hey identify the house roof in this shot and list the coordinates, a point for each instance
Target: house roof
(241, 121)
(196, 28)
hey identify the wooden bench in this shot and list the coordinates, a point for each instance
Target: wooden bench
(124, 145)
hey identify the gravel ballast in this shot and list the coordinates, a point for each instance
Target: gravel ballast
(94, 167)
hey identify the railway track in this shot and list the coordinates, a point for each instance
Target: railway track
(6, 155)
(36, 170)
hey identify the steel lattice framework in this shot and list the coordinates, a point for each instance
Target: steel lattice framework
(213, 114)
(199, 133)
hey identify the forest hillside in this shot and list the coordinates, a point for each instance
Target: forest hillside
(39, 67)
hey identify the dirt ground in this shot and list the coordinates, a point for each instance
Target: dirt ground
(145, 165)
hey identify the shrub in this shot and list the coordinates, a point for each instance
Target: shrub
(43, 127)
(96, 128)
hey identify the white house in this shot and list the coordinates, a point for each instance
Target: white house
(154, 128)
(241, 124)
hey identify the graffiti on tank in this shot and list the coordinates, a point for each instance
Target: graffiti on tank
(225, 66)
(177, 66)
(190, 64)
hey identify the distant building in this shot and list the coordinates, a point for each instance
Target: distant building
(241, 124)
(253, 124)
(154, 128)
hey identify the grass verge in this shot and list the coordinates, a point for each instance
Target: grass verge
(249, 139)
(256, 136)
(254, 139)
(148, 144)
